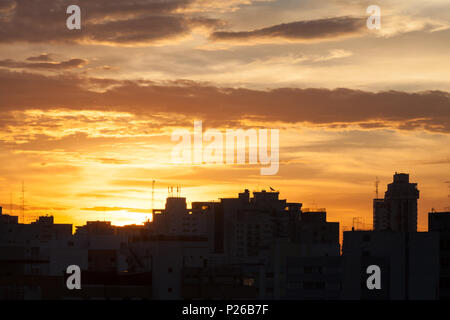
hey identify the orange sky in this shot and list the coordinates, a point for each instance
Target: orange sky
(87, 115)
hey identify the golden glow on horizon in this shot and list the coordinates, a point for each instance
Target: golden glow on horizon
(330, 168)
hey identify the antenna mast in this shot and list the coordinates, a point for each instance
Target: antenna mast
(448, 182)
(377, 182)
(153, 195)
(23, 202)
(356, 223)
(10, 203)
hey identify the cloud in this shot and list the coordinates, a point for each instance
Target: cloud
(301, 31)
(220, 5)
(17, 208)
(101, 209)
(64, 65)
(117, 22)
(7, 6)
(334, 54)
(295, 59)
(113, 161)
(183, 101)
(45, 57)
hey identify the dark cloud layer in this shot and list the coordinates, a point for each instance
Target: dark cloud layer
(145, 22)
(323, 29)
(227, 106)
(103, 21)
(6, 6)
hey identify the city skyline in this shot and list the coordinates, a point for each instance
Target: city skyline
(253, 246)
(387, 213)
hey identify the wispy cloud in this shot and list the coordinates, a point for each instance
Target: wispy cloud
(101, 209)
(299, 31)
(48, 64)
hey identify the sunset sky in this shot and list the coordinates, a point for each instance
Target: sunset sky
(87, 115)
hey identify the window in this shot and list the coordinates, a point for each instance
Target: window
(249, 282)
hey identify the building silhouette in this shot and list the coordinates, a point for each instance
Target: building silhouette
(408, 260)
(439, 222)
(398, 210)
(409, 263)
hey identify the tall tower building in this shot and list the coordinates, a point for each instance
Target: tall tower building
(381, 219)
(398, 210)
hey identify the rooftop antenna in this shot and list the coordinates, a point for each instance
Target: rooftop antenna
(258, 184)
(23, 202)
(10, 203)
(153, 195)
(356, 223)
(448, 182)
(377, 182)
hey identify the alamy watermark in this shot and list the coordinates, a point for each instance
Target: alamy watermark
(374, 20)
(74, 280)
(231, 147)
(374, 280)
(74, 20)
